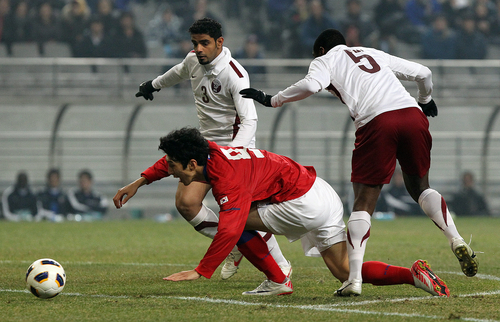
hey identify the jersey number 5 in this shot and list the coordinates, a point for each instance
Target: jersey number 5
(373, 67)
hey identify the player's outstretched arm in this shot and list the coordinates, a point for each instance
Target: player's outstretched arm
(146, 90)
(127, 192)
(257, 95)
(429, 109)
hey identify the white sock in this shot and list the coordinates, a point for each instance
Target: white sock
(205, 222)
(358, 231)
(274, 249)
(434, 206)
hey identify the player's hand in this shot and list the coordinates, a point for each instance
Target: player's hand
(127, 192)
(429, 109)
(183, 276)
(257, 95)
(146, 90)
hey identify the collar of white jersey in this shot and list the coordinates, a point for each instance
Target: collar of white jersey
(219, 63)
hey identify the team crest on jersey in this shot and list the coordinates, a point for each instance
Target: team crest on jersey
(216, 86)
(223, 200)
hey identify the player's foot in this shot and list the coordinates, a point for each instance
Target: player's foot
(426, 280)
(348, 288)
(231, 265)
(286, 269)
(269, 287)
(466, 256)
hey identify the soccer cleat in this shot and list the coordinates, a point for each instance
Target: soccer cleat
(348, 288)
(426, 280)
(466, 256)
(269, 287)
(286, 269)
(231, 265)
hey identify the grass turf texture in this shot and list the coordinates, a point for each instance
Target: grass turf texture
(115, 268)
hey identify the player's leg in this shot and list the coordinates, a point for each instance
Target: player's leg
(434, 206)
(414, 157)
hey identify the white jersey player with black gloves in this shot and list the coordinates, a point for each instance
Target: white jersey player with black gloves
(390, 126)
(224, 117)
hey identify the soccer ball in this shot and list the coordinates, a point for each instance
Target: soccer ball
(45, 278)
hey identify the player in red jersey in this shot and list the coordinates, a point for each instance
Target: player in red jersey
(389, 125)
(260, 190)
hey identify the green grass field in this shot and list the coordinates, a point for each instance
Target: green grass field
(115, 268)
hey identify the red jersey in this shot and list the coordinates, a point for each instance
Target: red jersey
(238, 177)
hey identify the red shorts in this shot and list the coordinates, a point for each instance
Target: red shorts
(400, 134)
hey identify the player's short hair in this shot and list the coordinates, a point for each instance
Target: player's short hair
(185, 144)
(206, 26)
(328, 39)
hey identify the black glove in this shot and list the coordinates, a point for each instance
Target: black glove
(257, 95)
(429, 109)
(146, 90)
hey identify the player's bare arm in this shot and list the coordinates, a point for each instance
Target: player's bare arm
(127, 192)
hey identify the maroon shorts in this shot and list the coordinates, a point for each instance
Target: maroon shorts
(400, 134)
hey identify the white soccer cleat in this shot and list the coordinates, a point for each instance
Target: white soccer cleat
(348, 288)
(231, 265)
(269, 287)
(466, 256)
(286, 269)
(426, 280)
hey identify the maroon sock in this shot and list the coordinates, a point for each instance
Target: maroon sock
(378, 273)
(255, 250)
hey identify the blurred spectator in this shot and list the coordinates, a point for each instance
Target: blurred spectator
(396, 198)
(296, 15)
(95, 42)
(17, 25)
(184, 47)
(4, 14)
(130, 41)
(123, 5)
(390, 19)
(471, 44)
(52, 199)
(56, 5)
(356, 26)
(468, 201)
(454, 10)
(85, 200)
(440, 42)
(420, 14)
(276, 13)
(318, 21)
(109, 17)
(486, 15)
(75, 17)
(191, 14)
(165, 30)
(252, 50)
(18, 201)
(46, 26)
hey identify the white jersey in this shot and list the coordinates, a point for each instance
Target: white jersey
(225, 117)
(365, 79)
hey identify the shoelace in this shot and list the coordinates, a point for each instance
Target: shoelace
(474, 251)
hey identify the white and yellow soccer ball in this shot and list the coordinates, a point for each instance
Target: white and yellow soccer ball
(45, 278)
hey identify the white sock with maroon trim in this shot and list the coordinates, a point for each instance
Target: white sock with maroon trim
(358, 231)
(205, 222)
(434, 206)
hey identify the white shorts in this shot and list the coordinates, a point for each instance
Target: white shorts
(316, 218)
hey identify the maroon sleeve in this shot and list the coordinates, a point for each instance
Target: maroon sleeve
(156, 171)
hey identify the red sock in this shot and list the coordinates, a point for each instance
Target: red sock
(378, 273)
(254, 248)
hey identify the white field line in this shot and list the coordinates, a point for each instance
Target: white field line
(328, 308)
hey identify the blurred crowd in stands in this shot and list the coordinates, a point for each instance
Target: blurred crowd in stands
(442, 29)
(53, 203)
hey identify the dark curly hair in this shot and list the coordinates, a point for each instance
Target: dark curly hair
(206, 26)
(185, 144)
(328, 39)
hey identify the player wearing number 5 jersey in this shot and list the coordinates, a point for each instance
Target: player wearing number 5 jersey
(390, 126)
(224, 117)
(257, 189)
